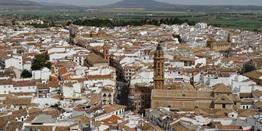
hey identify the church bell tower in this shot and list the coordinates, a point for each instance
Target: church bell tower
(159, 68)
(106, 53)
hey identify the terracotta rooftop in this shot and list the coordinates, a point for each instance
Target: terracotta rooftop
(221, 112)
(95, 99)
(53, 84)
(24, 83)
(99, 77)
(7, 73)
(107, 89)
(112, 108)
(111, 120)
(247, 113)
(52, 111)
(92, 59)
(19, 113)
(223, 99)
(179, 127)
(254, 74)
(62, 128)
(4, 120)
(221, 88)
(41, 127)
(229, 127)
(13, 125)
(65, 64)
(17, 101)
(6, 82)
(188, 94)
(147, 126)
(258, 62)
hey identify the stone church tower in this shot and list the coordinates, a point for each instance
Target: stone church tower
(106, 53)
(159, 68)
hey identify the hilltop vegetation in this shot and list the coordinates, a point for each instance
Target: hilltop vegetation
(245, 20)
(123, 22)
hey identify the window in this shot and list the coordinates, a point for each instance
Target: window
(223, 106)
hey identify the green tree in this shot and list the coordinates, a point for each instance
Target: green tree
(248, 68)
(26, 74)
(41, 61)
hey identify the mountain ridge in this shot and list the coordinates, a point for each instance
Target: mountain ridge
(28, 4)
(139, 4)
(19, 3)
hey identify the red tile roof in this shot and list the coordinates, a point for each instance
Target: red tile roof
(112, 120)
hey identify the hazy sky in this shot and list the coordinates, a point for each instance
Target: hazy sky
(190, 2)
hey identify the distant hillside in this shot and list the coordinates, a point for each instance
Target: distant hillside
(139, 4)
(155, 5)
(18, 3)
(30, 5)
